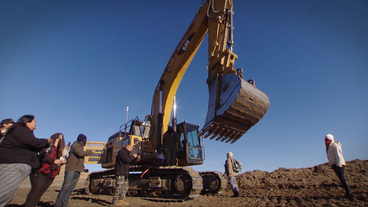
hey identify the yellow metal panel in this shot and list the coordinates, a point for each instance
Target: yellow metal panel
(95, 158)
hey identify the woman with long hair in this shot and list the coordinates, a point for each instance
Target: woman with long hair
(42, 178)
(19, 150)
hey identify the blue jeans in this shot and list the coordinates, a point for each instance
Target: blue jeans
(70, 181)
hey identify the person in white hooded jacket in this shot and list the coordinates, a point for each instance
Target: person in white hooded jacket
(231, 174)
(337, 162)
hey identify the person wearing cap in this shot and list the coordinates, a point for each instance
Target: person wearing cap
(73, 168)
(337, 162)
(229, 170)
(19, 156)
(5, 125)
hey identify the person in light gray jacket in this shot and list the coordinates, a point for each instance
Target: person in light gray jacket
(229, 170)
(337, 162)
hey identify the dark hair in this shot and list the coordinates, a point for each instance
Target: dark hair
(22, 121)
(6, 121)
(170, 129)
(61, 144)
(25, 119)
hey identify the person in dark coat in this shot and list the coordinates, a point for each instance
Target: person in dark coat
(42, 178)
(19, 156)
(171, 143)
(123, 159)
(73, 168)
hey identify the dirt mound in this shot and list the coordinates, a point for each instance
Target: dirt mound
(313, 186)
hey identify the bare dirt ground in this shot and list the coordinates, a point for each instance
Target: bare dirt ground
(313, 186)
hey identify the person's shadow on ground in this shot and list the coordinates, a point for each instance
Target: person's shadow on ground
(92, 200)
(80, 194)
(41, 204)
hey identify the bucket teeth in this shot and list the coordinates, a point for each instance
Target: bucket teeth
(227, 136)
(225, 133)
(209, 131)
(216, 133)
(234, 107)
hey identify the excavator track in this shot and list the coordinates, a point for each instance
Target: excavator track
(154, 183)
(100, 182)
(162, 184)
(180, 183)
(214, 182)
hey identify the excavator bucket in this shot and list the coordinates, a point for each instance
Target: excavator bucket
(235, 105)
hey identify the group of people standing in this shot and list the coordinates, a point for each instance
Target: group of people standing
(25, 155)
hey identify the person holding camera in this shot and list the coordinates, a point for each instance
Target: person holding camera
(73, 168)
(123, 159)
(41, 179)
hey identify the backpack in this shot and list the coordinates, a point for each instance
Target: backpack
(237, 166)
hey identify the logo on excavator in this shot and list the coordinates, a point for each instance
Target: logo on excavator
(184, 47)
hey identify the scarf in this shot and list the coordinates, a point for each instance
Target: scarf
(54, 168)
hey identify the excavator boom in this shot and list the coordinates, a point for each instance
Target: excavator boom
(234, 104)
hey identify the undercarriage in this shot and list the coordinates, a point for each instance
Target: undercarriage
(160, 183)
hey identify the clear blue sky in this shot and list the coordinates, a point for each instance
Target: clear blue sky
(77, 65)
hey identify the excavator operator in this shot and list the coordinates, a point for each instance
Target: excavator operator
(170, 145)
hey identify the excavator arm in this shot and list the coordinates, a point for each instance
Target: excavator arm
(235, 105)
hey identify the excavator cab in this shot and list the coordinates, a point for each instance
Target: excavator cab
(190, 147)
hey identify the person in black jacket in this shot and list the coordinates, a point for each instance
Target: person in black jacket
(170, 145)
(18, 156)
(123, 159)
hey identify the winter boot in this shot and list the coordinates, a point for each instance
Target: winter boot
(349, 196)
(236, 194)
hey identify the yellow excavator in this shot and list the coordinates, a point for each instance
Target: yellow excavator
(234, 106)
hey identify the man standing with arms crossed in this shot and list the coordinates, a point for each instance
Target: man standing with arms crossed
(123, 159)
